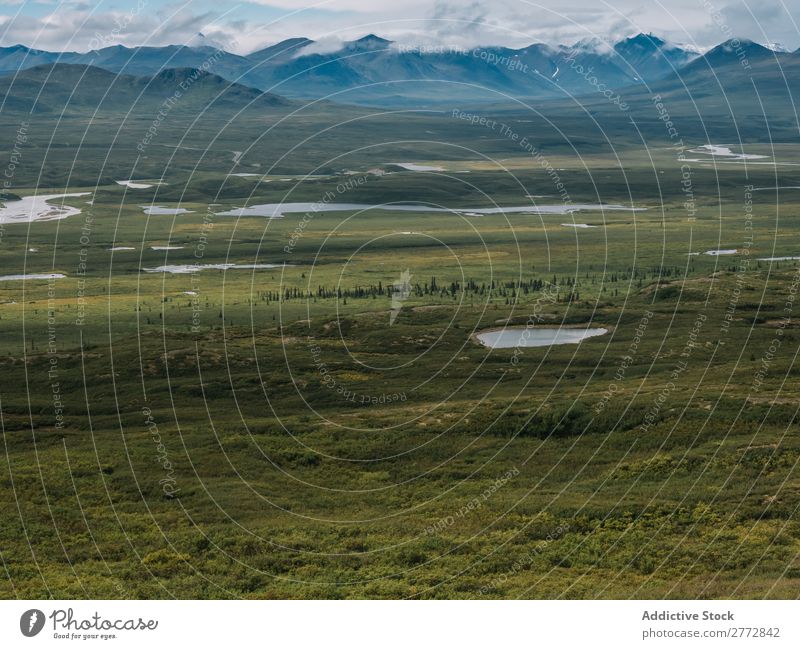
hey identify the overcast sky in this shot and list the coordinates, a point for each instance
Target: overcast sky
(246, 26)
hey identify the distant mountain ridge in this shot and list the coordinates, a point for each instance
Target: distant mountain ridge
(374, 70)
(78, 88)
(738, 91)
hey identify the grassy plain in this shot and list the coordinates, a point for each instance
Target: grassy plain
(276, 434)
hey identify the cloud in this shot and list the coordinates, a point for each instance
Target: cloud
(325, 45)
(354, 6)
(515, 23)
(768, 21)
(81, 29)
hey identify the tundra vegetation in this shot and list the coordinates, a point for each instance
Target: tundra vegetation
(209, 405)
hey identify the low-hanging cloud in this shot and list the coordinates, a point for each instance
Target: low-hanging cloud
(513, 23)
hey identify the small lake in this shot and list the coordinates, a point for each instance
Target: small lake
(30, 276)
(181, 269)
(277, 210)
(511, 337)
(38, 208)
(721, 151)
(155, 210)
(135, 184)
(413, 166)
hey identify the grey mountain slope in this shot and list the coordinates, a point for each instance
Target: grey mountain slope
(363, 66)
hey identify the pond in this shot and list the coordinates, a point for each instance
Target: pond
(413, 166)
(135, 184)
(38, 208)
(511, 337)
(156, 210)
(277, 210)
(181, 269)
(30, 276)
(721, 151)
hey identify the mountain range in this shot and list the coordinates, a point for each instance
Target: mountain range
(373, 70)
(738, 90)
(203, 109)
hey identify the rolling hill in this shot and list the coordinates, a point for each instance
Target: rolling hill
(71, 88)
(375, 70)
